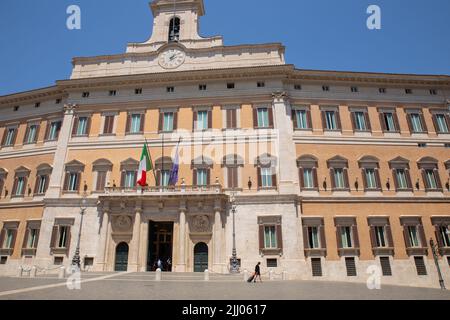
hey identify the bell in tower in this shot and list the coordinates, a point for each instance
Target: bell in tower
(174, 30)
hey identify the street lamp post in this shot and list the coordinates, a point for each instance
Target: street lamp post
(434, 249)
(76, 261)
(234, 264)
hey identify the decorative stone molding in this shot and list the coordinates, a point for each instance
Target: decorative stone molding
(70, 108)
(280, 95)
(200, 224)
(122, 224)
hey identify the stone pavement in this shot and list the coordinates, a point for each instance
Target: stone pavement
(142, 286)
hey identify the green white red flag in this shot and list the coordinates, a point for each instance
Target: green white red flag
(145, 165)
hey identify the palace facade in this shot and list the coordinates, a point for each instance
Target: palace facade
(323, 173)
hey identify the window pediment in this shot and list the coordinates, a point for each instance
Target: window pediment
(202, 162)
(427, 163)
(399, 163)
(369, 162)
(266, 160)
(102, 165)
(75, 166)
(44, 169)
(129, 164)
(232, 160)
(165, 163)
(307, 161)
(337, 162)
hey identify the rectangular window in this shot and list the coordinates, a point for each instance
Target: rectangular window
(135, 123)
(170, 89)
(339, 181)
(82, 126)
(58, 101)
(58, 261)
(402, 182)
(330, 120)
(297, 87)
(431, 182)
(351, 267)
(55, 128)
(63, 236)
(202, 87)
(168, 122)
(313, 237)
(112, 93)
(445, 235)
(202, 177)
(272, 263)
(85, 94)
(316, 264)
(389, 122)
(42, 183)
(9, 239)
(10, 136)
(231, 118)
(325, 88)
(266, 177)
(230, 85)
(233, 177)
(3, 260)
(441, 123)
(413, 234)
(109, 125)
(263, 118)
(261, 84)
(382, 90)
(433, 92)
(302, 119)
(130, 178)
(73, 182)
(354, 89)
(101, 181)
(32, 239)
(416, 122)
(164, 178)
(360, 121)
(20, 189)
(32, 134)
(380, 237)
(346, 237)
(420, 266)
(202, 120)
(386, 266)
(270, 237)
(138, 91)
(308, 178)
(371, 180)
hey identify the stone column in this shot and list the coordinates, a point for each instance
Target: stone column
(104, 233)
(217, 237)
(288, 182)
(133, 259)
(55, 184)
(181, 263)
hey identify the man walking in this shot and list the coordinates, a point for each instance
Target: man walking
(258, 272)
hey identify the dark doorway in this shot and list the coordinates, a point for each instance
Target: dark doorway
(121, 257)
(160, 245)
(200, 257)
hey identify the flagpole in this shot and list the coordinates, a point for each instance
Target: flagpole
(153, 166)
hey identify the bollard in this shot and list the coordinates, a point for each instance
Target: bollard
(285, 275)
(271, 275)
(158, 275)
(33, 272)
(206, 275)
(245, 275)
(19, 272)
(62, 273)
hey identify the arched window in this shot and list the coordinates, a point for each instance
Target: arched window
(400, 171)
(266, 169)
(232, 164)
(339, 173)
(174, 29)
(201, 168)
(307, 165)
(163, 167)
(101, 169)
(430, 174)
(370, 173)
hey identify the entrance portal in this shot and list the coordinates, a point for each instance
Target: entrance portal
(160, 245)
(121, 257)
(200, 257)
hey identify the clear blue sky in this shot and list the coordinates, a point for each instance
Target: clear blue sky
(37, 48)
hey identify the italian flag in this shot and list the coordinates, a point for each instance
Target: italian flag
(144, 166)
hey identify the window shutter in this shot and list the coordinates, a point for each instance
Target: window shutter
(406, 236)
(305, 237)
(234, 118)
(373, 238)
(27, 131)
(36, 184)
(424, 124)
(409, 120)
(302, 179)
(47, 129)
(4, 136)
(75, 125)
(47, 182)
(194, 122)
(14, 237)
(25, 238)
(194, 177)
(259, 177)
(382, 122)
(425, 181)
(158, 178)
(175, 121)
(347, 185)
(439, 239)
(135, 178)
(438, 179)
(423, 238)
(367, 118)
(338, 237)
(25, 186)
(316, 182)
(355, 236)
(128, 125)
(388, 231)
(378, 180)
(363, 172)
(229, 120)
(333, 182)
(68, 239)
(271, 124)
(255, 118)
(106, 129)
(161, 122)
(396, 123)
(435, 123)
(66, 181)
(54, 235)
(14, 137)
(308, 118)
(2, 237)
(101, 177)
(261, 237)
(210, 119)
(323, 241)
(408, 179)
(353, 118)
(230, 177)
(274, 180)
(447, 120)
(122, 179)
(208, 177)
(141, 129)
(338, 120)
(279, 236)
(14, 189)
(36, 241)
(324, 120)
(88, 126)
(77, 188)
(294, 119)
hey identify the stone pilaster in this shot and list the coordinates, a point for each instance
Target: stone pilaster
(218, 241)
(104, 233)
(55, 185)
(288, 182)
(181, 263)
(134, 253)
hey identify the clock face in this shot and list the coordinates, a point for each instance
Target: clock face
(172, 58)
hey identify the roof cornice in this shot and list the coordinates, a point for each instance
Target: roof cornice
(28, 96)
